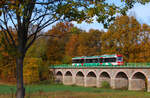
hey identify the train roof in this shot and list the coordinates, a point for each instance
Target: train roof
(104, 56)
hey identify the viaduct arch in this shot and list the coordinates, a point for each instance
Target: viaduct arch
(118, 78)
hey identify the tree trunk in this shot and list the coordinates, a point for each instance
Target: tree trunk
(20, 87)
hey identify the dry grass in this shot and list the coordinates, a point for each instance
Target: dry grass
(69, 94)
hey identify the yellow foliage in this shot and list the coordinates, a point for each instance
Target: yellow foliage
(31, 71)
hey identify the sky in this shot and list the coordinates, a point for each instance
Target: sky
(141, 13)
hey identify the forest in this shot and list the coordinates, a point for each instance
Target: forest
(126, 36)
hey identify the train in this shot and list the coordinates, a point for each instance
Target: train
(102, 60)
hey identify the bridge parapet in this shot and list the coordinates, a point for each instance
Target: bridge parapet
(98, 65)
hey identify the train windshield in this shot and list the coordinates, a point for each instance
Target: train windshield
(77, 60)
(119, 58)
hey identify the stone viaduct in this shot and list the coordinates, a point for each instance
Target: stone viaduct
(131, 78)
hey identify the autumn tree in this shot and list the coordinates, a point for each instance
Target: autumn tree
(38, 54)
(94, 42)
(56, 46)
(7, 60)
(31, 70)
(123, 37)
(89, 43)
(144, 45)
(73, 43)
(29, 17)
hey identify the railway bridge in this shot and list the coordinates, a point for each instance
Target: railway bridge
(132, 76)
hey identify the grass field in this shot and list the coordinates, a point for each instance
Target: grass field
(62, 91)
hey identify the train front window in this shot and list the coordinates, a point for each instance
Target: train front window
(119, 58)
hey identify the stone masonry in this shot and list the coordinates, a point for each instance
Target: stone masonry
(129, 78)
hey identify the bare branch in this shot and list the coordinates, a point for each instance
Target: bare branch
(47, 23)
(37, 27)
(47, 3)
(1, 20)
(5, 34)
(12, 21)
(8, 31)
(45, 35)
(34, 2)
(28, 13)
(40, 28)
(38, 17)
(31, 42)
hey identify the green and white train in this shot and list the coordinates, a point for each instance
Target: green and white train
(103, 60)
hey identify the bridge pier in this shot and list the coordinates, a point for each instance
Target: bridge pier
(112, 83)
(130, 86)
(63, 79)
(97, 82)
(59, 77)
(121, 83)
(85, 83)
(68, 78)
(91, 79)
(148, 85)
(73, 79)
(79, 79)
(136, 84)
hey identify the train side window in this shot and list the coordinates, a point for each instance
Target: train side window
(91, 60)
(101, 60)
(74, 61)
(106, 59)
(81, 60)
(78, 61)
(88, 61)
(95, 61)
(110, 60)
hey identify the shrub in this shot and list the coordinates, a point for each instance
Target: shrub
(105, 84)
